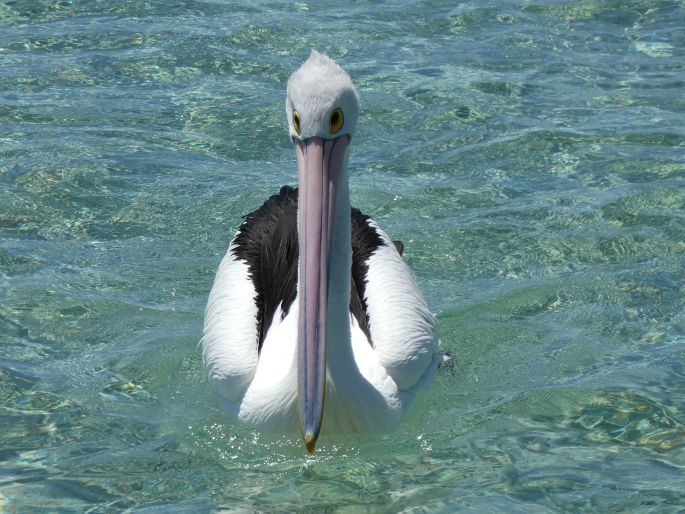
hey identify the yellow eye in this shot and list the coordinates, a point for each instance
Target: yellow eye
(296, 122)
(336, 121)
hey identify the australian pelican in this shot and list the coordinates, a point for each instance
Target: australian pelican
(314, 319)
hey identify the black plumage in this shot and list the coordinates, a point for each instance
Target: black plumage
(267, 242)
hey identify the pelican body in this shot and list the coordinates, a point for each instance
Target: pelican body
(314, 321)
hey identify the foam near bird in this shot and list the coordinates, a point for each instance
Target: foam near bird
(314, 322)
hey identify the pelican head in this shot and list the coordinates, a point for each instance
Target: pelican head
(322, 106)
(321, 100)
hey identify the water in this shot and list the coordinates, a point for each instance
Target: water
(531, 155)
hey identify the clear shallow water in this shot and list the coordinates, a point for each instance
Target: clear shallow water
(530, 154)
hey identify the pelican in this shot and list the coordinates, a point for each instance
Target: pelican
(314, 321)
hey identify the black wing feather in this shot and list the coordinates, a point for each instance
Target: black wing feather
(267, 241)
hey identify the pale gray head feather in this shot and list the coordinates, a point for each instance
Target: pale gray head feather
(314, 91)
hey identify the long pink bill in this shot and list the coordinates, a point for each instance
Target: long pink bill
(320, 162)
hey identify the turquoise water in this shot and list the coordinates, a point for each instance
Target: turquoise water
(531, 155)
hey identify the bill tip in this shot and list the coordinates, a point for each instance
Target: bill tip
(309, 441)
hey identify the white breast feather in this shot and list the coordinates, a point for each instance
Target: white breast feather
(269, 402)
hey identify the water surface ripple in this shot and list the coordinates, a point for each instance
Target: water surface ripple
(530, 154)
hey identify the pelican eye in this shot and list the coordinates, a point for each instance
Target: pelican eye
(336, 121)
(296, 122)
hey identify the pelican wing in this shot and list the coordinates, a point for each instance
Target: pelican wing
(402, 327)
(256, 276)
